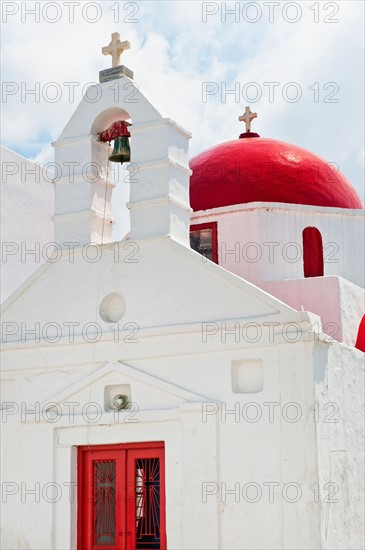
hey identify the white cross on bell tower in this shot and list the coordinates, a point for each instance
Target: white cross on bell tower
(116, 48)
(247, 118)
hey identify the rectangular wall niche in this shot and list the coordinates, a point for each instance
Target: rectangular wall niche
(113, 391)
(247, 376)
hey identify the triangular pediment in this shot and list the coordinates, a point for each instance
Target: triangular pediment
(163, 284)
(93, 393)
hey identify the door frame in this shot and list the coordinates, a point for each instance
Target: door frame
(129, 509)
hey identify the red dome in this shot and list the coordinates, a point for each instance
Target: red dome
(265, 170)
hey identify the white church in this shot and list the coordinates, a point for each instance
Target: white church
(199, 384)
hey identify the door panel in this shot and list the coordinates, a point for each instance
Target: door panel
(146, 499)
(104, 513)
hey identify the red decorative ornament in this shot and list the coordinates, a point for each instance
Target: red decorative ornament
(117, 129)
(360, 340)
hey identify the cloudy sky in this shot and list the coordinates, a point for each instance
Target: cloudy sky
(298, 64)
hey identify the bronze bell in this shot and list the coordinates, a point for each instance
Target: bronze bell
(122, 151)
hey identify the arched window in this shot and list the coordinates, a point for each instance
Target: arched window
(312, 252)
(360, 340)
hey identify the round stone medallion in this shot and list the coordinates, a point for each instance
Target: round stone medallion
(112, 308)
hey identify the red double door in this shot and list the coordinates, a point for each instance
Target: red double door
(121, 497)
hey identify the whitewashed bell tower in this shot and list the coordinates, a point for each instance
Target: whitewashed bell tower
(159, 188)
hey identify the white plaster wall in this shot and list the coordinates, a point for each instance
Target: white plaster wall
(341, 231)
(339, 303)
(227, 448)
(221, 450)
(339, 376)
(147, 288)
(263, 244)
(171, 294)
(282, 224)
(235, 230)
(27, 206)
(267, 452)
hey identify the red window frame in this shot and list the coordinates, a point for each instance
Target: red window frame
(125, 456)
(213, 227)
